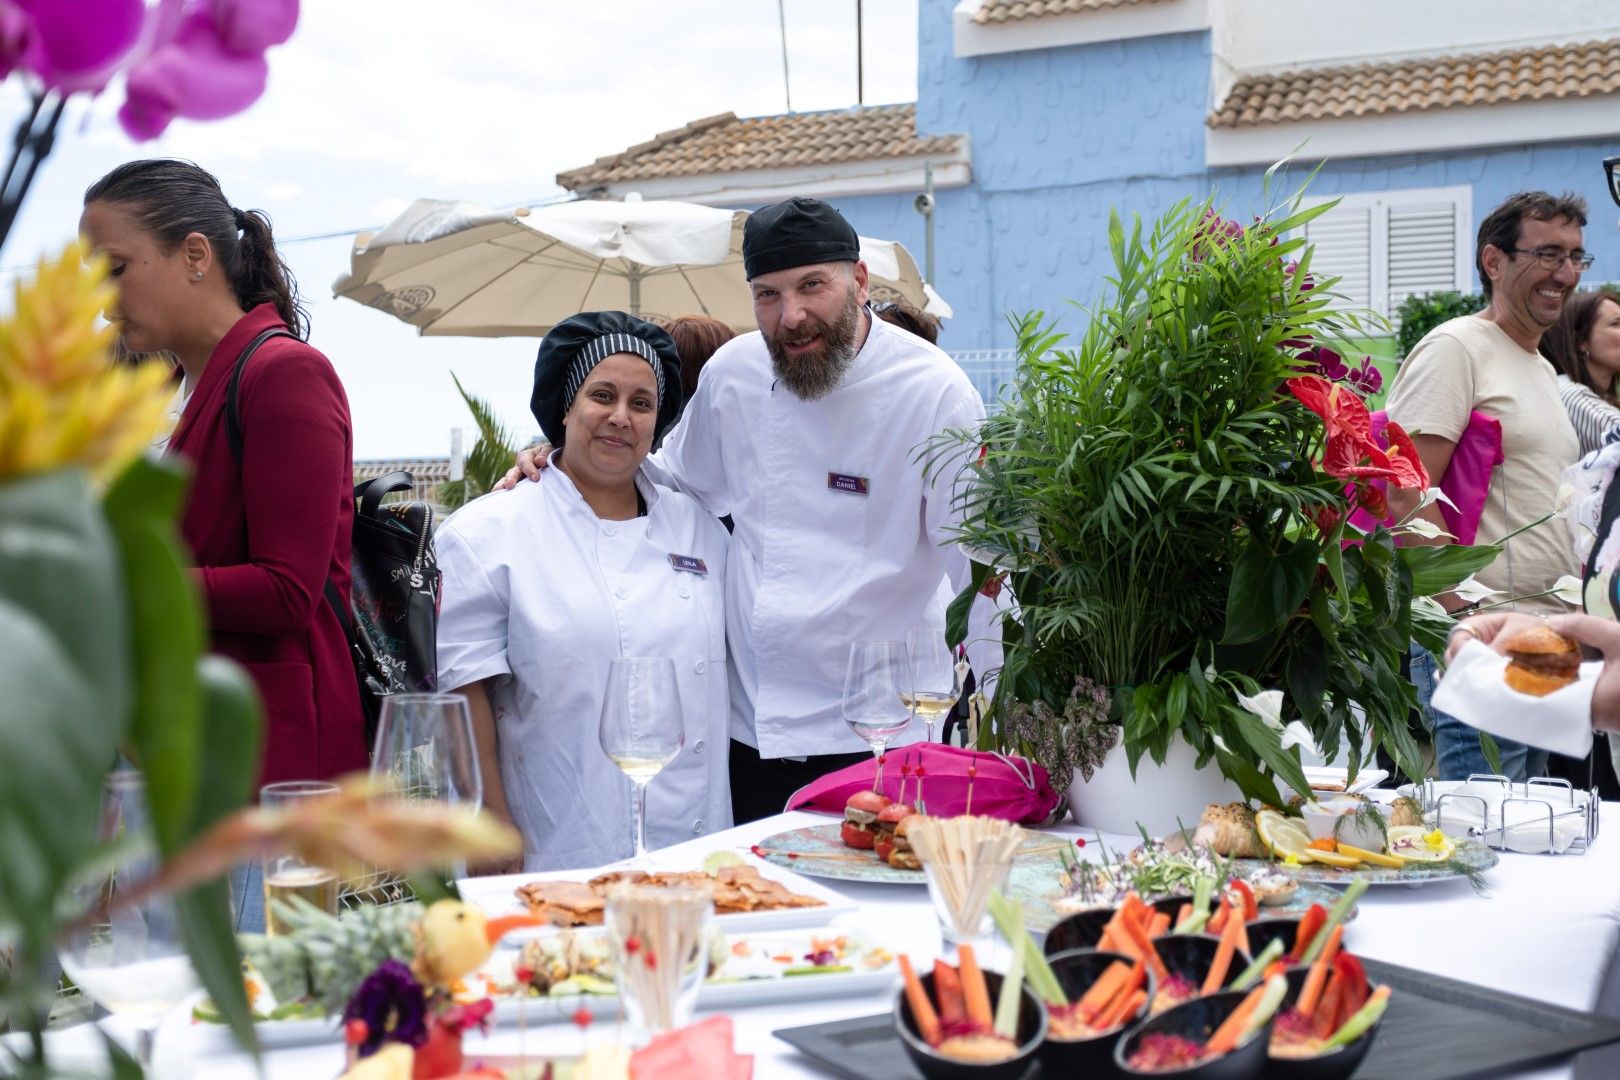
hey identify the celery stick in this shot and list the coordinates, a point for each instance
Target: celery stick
(1276, 989)
(1012, 986)
(1009, 919)
(1199, 915)
(1363, 1018)
(1335, 917)
(1252, 973)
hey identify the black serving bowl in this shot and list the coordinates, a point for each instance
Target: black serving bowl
(1334, 1065)
(936, 1066)
(1083, 929)
(1075, 971)
(1190, 956)
(1197, 1020)
(1262, 931)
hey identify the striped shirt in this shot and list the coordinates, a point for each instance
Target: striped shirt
(1594, 418)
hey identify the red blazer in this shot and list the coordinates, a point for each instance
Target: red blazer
(269, 533)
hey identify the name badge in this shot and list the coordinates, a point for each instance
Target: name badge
(690, 564)
(854, 485)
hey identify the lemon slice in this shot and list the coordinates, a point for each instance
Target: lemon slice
(1374, 857)
(1415, 844)
(1282, 836)
(1339, 858)
(716, 861)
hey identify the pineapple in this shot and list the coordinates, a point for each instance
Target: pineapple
(325, 958)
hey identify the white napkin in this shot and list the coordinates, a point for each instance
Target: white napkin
(1474, 691)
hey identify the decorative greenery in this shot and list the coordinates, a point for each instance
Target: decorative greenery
(1152, 497)
(1418, 314)
(488, 460)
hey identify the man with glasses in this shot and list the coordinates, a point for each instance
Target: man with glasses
(1529, 258)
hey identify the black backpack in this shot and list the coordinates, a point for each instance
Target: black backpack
(392, 618)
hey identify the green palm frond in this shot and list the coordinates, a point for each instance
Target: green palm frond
(487, 461)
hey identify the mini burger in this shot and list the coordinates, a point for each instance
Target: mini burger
(861, 819)
(902, 857)
(1541, 660)
(888, 819)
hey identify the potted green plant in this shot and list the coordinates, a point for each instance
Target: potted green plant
(1169, 498)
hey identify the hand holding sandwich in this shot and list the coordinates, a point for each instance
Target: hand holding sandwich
(1503, 631)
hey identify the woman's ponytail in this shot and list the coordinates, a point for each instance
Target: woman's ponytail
(261, 276)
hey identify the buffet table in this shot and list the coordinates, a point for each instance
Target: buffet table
(1547, 928)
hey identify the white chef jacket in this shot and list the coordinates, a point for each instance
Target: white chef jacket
(543, 594)
(839, 537)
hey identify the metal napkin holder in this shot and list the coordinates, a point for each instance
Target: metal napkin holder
(1552, 797)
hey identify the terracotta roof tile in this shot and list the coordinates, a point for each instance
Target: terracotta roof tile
(1585, 69)
(1003, 11)
(723, 144)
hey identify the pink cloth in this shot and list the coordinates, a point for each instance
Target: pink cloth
(1468, 476)
(1005, 787)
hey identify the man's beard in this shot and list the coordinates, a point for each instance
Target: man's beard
(813, 375)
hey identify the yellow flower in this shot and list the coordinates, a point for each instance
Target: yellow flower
(63, 402)
(1435, 839)
(1291, 859)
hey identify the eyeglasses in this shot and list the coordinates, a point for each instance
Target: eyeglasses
(1611, 169)
(1552, 258)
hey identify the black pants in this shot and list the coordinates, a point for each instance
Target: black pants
(761, 787)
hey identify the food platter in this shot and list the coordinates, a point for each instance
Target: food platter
(740, 983)
(1471, 857)
(819, 851)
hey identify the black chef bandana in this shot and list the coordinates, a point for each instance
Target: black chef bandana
(578, 344)
(796, 232)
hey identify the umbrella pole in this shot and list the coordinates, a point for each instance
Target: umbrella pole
(635, 290)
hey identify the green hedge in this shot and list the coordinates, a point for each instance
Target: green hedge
(1417, 315)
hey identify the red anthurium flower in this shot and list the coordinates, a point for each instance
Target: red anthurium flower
(1371, 498)
(1340, 408)
(1403, 459)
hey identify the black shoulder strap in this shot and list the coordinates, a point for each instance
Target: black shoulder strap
(233, 410)
(1611, 510)
(371, 492)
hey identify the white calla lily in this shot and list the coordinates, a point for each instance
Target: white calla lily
(1565, 496)
(1434, 495)
(1297, 734)
(1428, 530)
(1220, 744)
(1267, 705)
(1428, 605)
(1568, 589)
(1473, 590)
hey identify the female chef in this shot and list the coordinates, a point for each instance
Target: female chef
(545, 584)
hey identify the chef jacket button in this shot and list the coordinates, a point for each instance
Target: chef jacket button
(697, 747)
(684, 591)
(697, 826)
(621, 592)
(699, 666)
(609, 530)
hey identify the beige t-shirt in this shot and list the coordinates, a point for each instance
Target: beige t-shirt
(1470, 363)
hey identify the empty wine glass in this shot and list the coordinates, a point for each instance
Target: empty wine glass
(124, 950)
(936, 679)
(641, 729)
(876, 698)
(425, 749)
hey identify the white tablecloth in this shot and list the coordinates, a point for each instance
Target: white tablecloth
(1547, 928)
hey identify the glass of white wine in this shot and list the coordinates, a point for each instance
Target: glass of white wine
(876, 692)
(936, 680)
(641, 729)
(127, 954)
(285, 874)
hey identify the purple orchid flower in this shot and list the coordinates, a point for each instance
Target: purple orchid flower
(393, 1005)
(82, 42)
(1366, 377)
(20, 44)
(195, 75)
(1325, 362)
(248, 27)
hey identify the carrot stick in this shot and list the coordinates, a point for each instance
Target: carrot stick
(1222, 964)
(1123, 1010)
(1115, 934)
(948, 992)
(975, 994)
(1217, 921)
(1108, 943)
(1150, 955)
(1183, 914)
(1159, 925)
(1131, 908)
(1103, 990)
(1316, 980)
(1226, 1036)
(922, 1010)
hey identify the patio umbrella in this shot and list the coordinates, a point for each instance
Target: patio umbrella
(455, 268)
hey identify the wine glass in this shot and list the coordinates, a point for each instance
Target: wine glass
(126, 952)
(641, 728)
(425, 748)
(876, 702)
(936, 680)
(285, 874)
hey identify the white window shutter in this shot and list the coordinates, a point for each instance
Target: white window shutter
(1422, 244)
(1343, 239)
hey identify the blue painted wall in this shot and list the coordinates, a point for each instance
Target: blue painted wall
(1059, 136)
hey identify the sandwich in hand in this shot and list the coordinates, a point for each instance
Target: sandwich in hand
(861, 819)
(1541, 660)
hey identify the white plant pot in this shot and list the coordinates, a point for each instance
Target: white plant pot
(1115, 802)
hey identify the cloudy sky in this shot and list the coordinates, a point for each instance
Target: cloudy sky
(374, 103)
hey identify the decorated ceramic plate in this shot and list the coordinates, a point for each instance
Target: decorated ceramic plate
(818, 851)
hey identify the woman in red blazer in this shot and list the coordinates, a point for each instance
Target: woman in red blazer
(201, 279)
